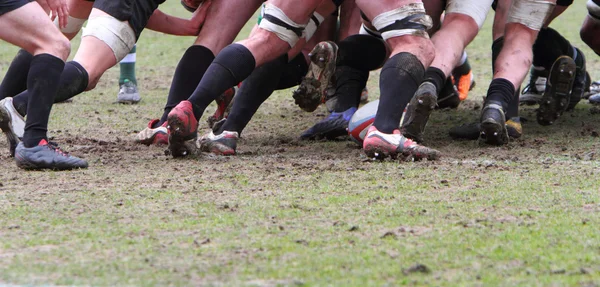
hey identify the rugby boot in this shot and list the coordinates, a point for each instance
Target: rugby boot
(558, 91)
(448, 97)
(224, 102)
(380, 145)
(579, 82)
(318, 83)
(464, 84)
(182, 126)
(152, 135)
(472, 131)
(335, 125)
(128, 93)
(222, 144)
(46, 156)
(493, 124)
(532, 93)
(11, 123)
(418, 111)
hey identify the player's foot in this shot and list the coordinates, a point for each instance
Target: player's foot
(493, 124)
(472, 131)
(448, 96)
(364, 96)
(380, 145)
(153, 135)
(464, 84)
(11, 123)
(579, 82)
(128, 93)
(533, 92)
(182, 127)
(558, 91)
(46, 156)
(318, 82)
(335, 125)
(418, 111)
(222, 144)
(224, 102)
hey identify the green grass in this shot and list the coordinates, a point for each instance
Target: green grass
(292, 213)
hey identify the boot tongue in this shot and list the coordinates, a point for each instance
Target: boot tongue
(43, 142)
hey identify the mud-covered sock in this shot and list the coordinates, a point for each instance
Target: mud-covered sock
(436, 77)
(350, 83)
(548, 46)
(42, 83)
(501, 91)
(399, 80)
(15, 80)
(189, 72)
(127, 67)
(293, 73)
(73, 81)
(233, 64)
(254, 91)
(463, 67)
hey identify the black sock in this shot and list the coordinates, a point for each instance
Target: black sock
(293, 73)
(15, 80)
(436, 77)
(254, 91)
(501, 91)
(73, 81)
(399, 80)
(350, 83)
(42, 83)
(548, 46)
(362, 52)
(230, 67)
(188, 74)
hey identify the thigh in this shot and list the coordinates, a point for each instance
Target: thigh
(30, 28)
(236, 13)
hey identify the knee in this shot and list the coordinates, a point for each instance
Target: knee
(60, 47)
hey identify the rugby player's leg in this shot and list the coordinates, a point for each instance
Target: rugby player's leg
(30, 28)
(525, 18)
(255, 90)
(404, 26)
(15, 80)
(461, 24)
(279, 31)
(213, 37)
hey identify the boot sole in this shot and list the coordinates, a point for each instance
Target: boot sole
(424, 106)
(555, 101)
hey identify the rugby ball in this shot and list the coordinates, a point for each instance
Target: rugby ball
(191, 5)
(362, 120)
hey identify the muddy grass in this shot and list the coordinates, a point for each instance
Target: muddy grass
(286, 212)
